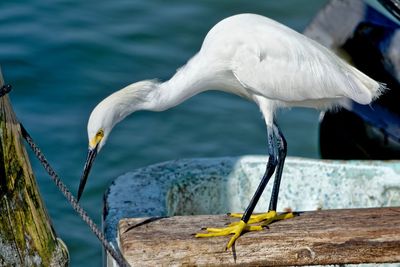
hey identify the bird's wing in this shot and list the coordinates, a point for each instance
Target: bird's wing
(294, 71)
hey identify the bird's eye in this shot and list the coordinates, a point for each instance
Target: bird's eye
(93, 142)
(100, 133)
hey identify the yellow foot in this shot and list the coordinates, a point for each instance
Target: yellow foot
(265, 218)
(236, 230)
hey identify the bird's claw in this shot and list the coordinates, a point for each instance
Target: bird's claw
(265, 218)
(236, 230)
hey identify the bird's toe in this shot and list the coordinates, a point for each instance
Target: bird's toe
(236, 229)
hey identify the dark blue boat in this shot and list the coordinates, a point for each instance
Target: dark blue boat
(366, 33)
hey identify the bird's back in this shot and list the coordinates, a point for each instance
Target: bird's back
(274, 61)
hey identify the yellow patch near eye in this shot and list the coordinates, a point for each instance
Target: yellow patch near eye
(96, 139)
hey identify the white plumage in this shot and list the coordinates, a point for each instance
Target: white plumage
(256, 58)
(253, 57)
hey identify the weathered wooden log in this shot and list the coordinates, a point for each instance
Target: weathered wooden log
(27, 237)
(317, 237)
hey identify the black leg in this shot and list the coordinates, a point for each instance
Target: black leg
(272, 162)
(282, 150)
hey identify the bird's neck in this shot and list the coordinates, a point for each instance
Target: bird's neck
(190, 80)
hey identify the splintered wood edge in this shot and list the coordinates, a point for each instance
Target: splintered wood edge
(314, 237)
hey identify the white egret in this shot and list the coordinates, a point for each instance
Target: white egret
(258, 59)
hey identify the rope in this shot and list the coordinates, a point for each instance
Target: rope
(116, 254)
(5, 89)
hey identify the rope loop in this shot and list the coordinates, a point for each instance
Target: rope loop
(5, 89)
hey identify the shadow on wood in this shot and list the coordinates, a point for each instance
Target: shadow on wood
(27, 237)
(317, 237)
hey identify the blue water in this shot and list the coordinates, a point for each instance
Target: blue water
(63, 57)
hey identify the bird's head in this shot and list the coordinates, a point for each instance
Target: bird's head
(108, 113)
(100, 124)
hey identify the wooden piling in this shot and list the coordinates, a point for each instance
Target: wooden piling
(27, 237)
(317, 237)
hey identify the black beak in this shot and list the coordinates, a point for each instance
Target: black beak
(88, 165)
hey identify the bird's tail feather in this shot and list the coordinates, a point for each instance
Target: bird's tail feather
(362, 88)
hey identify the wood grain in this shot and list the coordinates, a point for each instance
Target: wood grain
(316, 237)
(27, 237)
